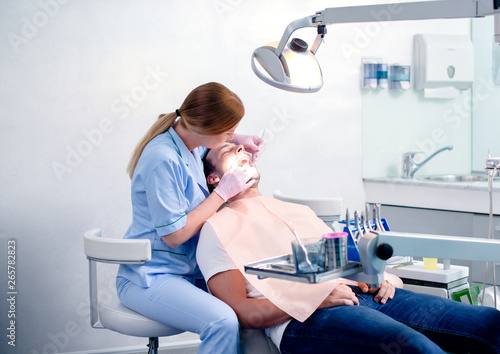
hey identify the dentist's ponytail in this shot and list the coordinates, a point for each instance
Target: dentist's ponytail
(210, 109)
(163, 123)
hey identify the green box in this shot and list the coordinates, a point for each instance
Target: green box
(469, 295)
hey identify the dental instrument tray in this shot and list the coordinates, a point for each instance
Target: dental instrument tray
(283, 267)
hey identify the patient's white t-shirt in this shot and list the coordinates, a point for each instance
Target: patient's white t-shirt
(212, 258)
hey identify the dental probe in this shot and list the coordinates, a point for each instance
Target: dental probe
(300, 244)
(261, 137)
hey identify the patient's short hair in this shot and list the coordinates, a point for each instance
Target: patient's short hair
(208, 168)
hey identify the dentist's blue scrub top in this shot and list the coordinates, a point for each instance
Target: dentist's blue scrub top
(168, 183)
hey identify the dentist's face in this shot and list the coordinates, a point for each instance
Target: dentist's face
(214, 141)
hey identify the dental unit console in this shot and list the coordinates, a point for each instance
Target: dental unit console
(371, 244)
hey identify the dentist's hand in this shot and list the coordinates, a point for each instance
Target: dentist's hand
(233, 182)
(384, 292)
(253, 144)
(342, 295)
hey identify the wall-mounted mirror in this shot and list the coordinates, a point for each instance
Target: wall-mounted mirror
(395, 122)
(485, 98)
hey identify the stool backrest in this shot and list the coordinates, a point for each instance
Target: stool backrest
(110, 250)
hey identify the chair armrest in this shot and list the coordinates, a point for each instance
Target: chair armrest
(112, 250)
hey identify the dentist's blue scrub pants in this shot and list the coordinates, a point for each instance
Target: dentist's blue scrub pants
(168, 183)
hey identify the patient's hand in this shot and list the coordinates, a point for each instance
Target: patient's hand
(340, 296)
(384, 292)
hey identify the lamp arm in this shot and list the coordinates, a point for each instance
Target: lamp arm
(390, 12)
(441, 9)
(292, 27)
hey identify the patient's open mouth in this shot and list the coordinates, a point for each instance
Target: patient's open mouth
(245, 159)
(243, 162)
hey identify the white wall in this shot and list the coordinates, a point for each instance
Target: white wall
(80, 84)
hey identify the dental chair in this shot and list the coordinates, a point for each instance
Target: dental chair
(113, 315)
(327, 209)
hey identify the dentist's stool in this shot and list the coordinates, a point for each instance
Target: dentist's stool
(113, 315)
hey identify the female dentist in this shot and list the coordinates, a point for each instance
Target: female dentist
(170, 202)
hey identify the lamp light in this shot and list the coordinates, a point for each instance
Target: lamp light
(286, 65)
(295, 68)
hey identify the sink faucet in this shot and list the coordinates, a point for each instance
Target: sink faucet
(409, 166)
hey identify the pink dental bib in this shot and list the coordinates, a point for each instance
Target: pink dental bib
(255, 229)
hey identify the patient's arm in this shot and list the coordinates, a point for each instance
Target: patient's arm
(252, 313)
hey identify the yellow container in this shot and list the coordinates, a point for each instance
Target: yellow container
(430, 263)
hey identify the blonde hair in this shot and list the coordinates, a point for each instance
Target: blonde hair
(210, 109)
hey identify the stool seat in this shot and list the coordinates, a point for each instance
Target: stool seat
(117, 317)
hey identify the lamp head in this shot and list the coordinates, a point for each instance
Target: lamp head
(294, 69)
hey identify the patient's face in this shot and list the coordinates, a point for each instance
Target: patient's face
(231, 156)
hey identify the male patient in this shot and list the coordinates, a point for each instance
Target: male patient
(335, 316)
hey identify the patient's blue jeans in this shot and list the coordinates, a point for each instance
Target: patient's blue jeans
(409, 323)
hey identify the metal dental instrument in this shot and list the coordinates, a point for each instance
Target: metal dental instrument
(347, 220)
(362, 224)
(375, 218)
(356, 223)
(368, 222)
(379, 221)
(300, 244)
(261, 137)
(348, 224)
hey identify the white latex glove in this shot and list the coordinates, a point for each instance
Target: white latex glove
(233, 182)
(252, 143)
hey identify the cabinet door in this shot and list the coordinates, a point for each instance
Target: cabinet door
(480, 229)
(430, 221)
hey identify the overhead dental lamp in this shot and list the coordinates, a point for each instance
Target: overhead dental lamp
(290, 65)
